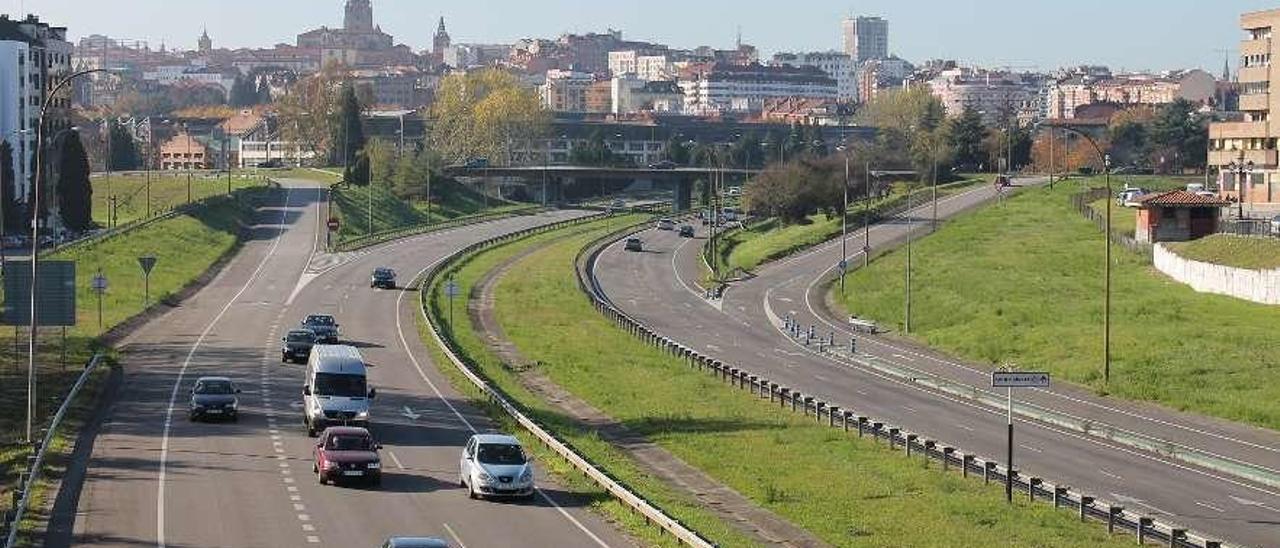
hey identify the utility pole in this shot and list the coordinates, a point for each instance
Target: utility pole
(866, 221)
(844, 226)
(906, 319)
(187, 133)
(1052, 159)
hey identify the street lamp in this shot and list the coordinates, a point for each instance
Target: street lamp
(35, 242)
(1243, 171)
(1106, 312)
(844, 219)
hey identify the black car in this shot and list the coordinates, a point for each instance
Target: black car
(214, 398)
(296, 345)
(324, 326)
(634, 244)
(384, 278)
(665, 164)
(476, 163)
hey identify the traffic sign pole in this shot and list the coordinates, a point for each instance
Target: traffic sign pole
(1009, 379)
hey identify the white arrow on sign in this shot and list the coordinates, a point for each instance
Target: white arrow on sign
(408, 413)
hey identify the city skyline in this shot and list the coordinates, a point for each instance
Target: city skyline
(1178, 35)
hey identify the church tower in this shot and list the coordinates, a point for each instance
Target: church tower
(205, 43)
(359, 17)
(441, 41)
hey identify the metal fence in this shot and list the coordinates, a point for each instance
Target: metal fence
(1083, 204)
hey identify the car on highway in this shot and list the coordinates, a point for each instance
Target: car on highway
(1129, 197)
(666, 224)
(347, 453)
(618, 204)
(665, 164)
(214, 398)
(686, 231)
(1275, 225)
(495, 465)
(383, 277)
(476, 163)
(415, 542)
(295, 346)
(634, 244)
(336, 389)
(324, 326)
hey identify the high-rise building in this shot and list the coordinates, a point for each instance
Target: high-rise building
(1252, 140)
(35, 57)
(866, 38)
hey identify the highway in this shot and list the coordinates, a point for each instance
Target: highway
(745, 329)
(155, 479)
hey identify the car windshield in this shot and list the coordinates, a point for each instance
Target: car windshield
(500, 453)
(383, 272)
(214, 387)
(349, 442)
(319, 320)
(346, 386)
(300, 336)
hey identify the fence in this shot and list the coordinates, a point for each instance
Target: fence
(1146, 528)
(1083, 204)
(638, 504)
(1247, 227)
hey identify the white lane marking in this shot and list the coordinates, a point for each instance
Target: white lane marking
(1210, 506)
(313, 539)
(395, 459)
(308, 527)
(1030, 448)
(1110, 475)
(716, 304)
(304, 517)
(299, 507)
(964, 427)
(177, 383)
(454, 535)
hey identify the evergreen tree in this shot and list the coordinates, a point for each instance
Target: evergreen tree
(350, 139)
(242, 93)
(264, 91)
(966, 134)
(75, 194)
(8, 202)
(124, 151)
(677, 152)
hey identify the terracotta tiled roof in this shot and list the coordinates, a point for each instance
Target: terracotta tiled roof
(1180, 198)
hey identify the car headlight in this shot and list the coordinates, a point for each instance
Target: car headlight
(330, 465)
(362, 415)
(374, 465)
(527, 476)
(484, 478)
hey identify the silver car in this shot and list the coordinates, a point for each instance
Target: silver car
(494, 465)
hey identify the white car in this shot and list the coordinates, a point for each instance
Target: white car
(666, 224)
(495, 465)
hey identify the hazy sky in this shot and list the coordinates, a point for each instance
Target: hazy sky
(1131, 34)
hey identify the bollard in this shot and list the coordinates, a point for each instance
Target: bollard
(1085, 502)
(987, 468)
(965, 463)
(1032, 483)
(1143, 524)
(910, 438)
(853, 345)
(1059, 495)
(946, 458)
(1176, 535)
(831, 339)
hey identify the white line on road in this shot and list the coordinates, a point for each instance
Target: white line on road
(395, 460)
(455, 536)
(1030, 448)
(964, 427)
(1110, 475)
(1209, 506)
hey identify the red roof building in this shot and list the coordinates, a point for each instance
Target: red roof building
(1177, 216)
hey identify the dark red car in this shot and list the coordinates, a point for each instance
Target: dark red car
(347, 453)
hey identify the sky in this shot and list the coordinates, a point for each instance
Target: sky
(1030, 34)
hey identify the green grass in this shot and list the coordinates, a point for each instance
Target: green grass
(745, 250)
(351, 205)
(1231, 250)
(846, 491)
(1022, 283)
(329, 175)
(168, 190)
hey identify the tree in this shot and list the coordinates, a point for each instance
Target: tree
(486, 113)
(795, 190)
(907, 121)
(351, 138)
(677, 152)
(264, 90)
(747, 152)
(382, 162)
(965, 134)
(75, 194)
(1179, 135)
(309, 113)
(412, 170)
(124, 155)
(8, 202)
(242, 93)
(595, 153)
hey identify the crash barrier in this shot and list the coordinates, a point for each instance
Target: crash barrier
(638, 504)
(845, 417)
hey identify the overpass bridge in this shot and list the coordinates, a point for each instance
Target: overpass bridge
(558, 181)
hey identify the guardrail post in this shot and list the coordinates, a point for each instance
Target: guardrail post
(844, 419)
(783, 396)
(853, 345)
(875, 431)
(1143, 524)
(795, 399)
(831, 415)
(1176, 535)
(1085, 502)
(987, 468)
(965, 462)
(1032, 483)
(1113, 514)
(817, 410)
(773, 387)
(733, 377)
(946, 458)
(910, 438)
(893, 436)
(751, 386)
(929, 445)
(1059, 495)
(805, 405)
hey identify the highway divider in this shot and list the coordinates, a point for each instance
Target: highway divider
(651, 513)
(35, 463)
(845, 417)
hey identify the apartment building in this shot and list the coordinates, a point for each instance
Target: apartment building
(839, 66)
(566, 90)
(865, 38)
(1252, 141)
(34, 58)
(717, 88)
(992, 94)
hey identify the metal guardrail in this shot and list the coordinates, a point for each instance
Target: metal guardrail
(1146, 528)
(376, 238)
(29, 478)
(638, 504)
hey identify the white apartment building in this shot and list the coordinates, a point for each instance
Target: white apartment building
(566, 90)
(865, 38)
(838, 66)
(254, 153)
(632, 94)
(991, 94)
(646, 67)
(34, 57)
(716, 88)
(170, 75)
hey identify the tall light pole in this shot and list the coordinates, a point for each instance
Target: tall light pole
(35, 243)
(1242, 170)
(844, 220)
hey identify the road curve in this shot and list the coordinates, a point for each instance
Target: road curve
(155, 479)
(744, 329)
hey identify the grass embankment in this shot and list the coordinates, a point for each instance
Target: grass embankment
(848, 492)
(185, 246)
(1231, 250)
(168, 190)
(759, 243)
(328, 176)
(351, 205)
(1023, 283)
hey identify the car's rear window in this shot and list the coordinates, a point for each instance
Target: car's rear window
(300, 336)
(320, 320)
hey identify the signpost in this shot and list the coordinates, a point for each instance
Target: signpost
(99, 286)
(451, 289)
(1009, 380)
(147, 262)
(334, 224)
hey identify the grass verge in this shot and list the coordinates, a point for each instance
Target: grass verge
(846, 491)
(1231, 250)
(168, 190)
(1023, 283)
(351, 204)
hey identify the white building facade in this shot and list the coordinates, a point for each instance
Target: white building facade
(719, 88)
(34, 57)
(991, 94)
(839, 66)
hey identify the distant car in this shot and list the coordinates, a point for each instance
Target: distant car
(1129, 196)
(634, 244)
(347, 453)
(618, 204)
(324, 326)
(665, 164)
(476, 163)
(666, 224)
(271, 164)
(296, 345)
(383, 277)
(214, 398)
(735, 191)
(1275, 224)
(414, 542)
(494, 465)
(686, 231)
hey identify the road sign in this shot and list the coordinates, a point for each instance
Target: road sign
(334, 224)
(451, 289)
(99, 283)
(147, 262)
(1019, 379)
(55, 293)
(844, 265)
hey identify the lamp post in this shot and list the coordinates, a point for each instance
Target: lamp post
(1106, 311)
(1243, 171)
(35, 243)
(844, 220)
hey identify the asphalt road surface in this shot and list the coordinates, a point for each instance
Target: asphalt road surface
(745, 329)
(156, 479)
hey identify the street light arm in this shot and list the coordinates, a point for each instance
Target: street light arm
(1102, 157)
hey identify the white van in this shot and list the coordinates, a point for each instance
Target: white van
(336, 392)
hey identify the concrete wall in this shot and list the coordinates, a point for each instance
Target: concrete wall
(1260, 286)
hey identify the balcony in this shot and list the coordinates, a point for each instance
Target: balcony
(1238, 130)
(1260, 158)
(1253, 47)
(1254, 102)
(1254, 74)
